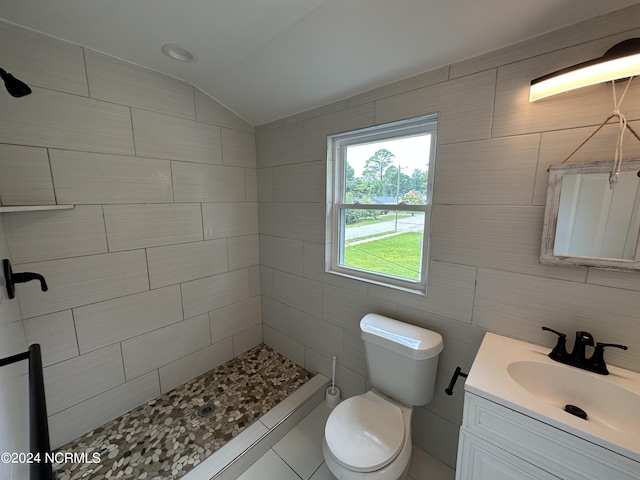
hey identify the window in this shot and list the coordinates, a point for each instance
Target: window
(381, 182)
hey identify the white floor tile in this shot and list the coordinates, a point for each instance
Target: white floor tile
(424, 465)
(269, 466)
(323, 473)
(301, 448)
(300, 451)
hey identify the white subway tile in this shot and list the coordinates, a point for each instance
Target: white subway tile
(265, 184)
(243, 251)
(238, 148)
(233, 319)
(450, 291)
(254, 281)
(304, 182)
(206, 294)
(275, 314)
(152, 350)
(317, 129)
(94, 178)
(223, 220)
(109, 322)
(41, 60)
(163, 136)
(247, 339)
(37, 236)
(251, 184)
(465, 107)
(121, 82)
(58, 120)
(25, 176)
(273, 218)
(280, 146)
(194, 182)
(56, 335)
(315, 333)
(80, 378)
(299, 292)
(266, 281)
(501, 237)
(283, 344)
(306, 221)
(211, 111)
(74, 282)
(184, 369)
(281, 253)
(180, 263)
(412, 83)
(140, 226)
(496, 171)
(346, 308)
(518, 305)
(79, 419)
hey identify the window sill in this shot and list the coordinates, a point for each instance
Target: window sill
(421, 291)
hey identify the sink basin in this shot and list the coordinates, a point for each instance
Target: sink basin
(521, 377)
(604, 402)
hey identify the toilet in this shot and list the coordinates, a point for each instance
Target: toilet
(368, 437)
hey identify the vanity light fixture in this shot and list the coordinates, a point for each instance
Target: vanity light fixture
(620, 61)
(15, 87)
(179, 52)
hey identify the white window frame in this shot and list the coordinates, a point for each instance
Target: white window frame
(336, 148)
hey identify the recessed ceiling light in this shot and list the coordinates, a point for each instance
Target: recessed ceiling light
(179, 52)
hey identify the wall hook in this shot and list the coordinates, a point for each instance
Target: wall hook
(11, 278)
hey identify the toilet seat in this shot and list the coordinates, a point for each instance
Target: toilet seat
(365, 433)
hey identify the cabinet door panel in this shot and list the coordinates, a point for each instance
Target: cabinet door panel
(481, 460)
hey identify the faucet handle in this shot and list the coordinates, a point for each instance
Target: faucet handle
(559, 352)
(597, 363)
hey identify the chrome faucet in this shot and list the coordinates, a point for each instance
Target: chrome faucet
(577, 358)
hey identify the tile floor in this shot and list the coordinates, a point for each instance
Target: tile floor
(299, 456)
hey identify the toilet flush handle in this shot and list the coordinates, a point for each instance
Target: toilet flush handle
(454, 379)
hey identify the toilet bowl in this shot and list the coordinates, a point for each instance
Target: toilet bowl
(368, 437)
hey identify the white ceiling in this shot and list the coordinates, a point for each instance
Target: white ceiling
(266, 59)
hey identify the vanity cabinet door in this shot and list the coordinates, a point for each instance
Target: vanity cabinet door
(480, 460)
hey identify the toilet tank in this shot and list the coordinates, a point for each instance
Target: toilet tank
(402, 359)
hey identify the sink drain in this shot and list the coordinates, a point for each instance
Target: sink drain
(206, 410)
(577, 411)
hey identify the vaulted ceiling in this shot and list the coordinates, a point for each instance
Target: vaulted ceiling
(266, 59)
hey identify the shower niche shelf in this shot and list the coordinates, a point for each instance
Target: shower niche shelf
(34, 208)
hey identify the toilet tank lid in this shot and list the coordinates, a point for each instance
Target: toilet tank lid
(408, 340)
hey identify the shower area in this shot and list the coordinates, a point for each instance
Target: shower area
(134, 196)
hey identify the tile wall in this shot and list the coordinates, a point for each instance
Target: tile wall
(490, 187)
(14, 414)
(153, 276)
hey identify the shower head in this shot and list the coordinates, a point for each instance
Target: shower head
(15, 87)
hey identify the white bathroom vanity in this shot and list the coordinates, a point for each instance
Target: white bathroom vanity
(515, 425)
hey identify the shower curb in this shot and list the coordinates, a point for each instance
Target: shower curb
(239, 454)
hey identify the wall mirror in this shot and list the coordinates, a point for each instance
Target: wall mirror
(587, 223)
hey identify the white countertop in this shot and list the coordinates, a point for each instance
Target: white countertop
(489, 378)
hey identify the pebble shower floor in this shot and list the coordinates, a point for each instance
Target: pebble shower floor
(168, 436)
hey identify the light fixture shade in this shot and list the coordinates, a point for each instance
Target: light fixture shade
(620, 61)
